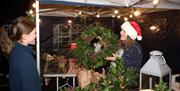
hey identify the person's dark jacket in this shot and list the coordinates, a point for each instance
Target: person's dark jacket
(133, 56)
(23, 74)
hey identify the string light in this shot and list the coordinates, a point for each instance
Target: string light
(97, 16)
(31, 11)
(130, 16)
(155, 2)
(33, 8)
(80, 12)
(116, 11)
(153, 27)
(69, 21)
(137, 13)
(118, 16)
(113, 16)
(125, 19)
(34, 5)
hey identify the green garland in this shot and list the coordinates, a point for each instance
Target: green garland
(31, 16)
(118, 78)
(85, 53)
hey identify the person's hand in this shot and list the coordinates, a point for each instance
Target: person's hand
(111, 58)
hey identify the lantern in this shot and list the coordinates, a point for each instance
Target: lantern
(155, 66)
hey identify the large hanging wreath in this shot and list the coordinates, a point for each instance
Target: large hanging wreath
(93, 45)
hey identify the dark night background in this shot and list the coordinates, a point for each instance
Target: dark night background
(13, 8)
(167, 40)
(9, 11)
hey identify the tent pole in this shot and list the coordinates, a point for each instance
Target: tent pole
(38, 37)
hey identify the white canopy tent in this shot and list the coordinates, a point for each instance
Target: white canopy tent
(167, 4)
(68, 8)
(95, 2)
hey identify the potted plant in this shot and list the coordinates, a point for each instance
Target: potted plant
(162, 86)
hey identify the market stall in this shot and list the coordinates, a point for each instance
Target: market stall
(82, 8)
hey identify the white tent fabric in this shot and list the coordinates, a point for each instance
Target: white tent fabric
(70, 8)
(167, 4)
(96, 2)
(163, 4)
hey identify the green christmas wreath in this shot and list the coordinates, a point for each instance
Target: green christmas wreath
(118, 78)
(93, 45)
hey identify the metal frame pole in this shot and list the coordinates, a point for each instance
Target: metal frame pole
(38, 37)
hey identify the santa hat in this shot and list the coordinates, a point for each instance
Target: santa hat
(132, 29)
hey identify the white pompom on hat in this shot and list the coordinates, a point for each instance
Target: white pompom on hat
(132, 29)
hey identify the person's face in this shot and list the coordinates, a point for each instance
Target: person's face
(123, 35)
(30, 38)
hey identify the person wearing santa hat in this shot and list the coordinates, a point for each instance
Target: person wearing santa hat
(130, 50)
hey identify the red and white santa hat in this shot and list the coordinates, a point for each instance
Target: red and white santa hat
(132, 29)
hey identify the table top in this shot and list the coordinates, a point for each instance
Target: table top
(59, 75)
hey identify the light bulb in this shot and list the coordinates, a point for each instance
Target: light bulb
(118, 16)
(34, 5)
(130, 16)
(125, 19)
(97, 16)
(137, 13)
(155, 2)
(69, 21)
(116, 11)
(113, 16)
(31, 11)
(80, 12)
(153, 28)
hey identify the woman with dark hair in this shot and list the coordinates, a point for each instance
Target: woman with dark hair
(5, 42)
(23, 74)
(130, 50)
(5, 48)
